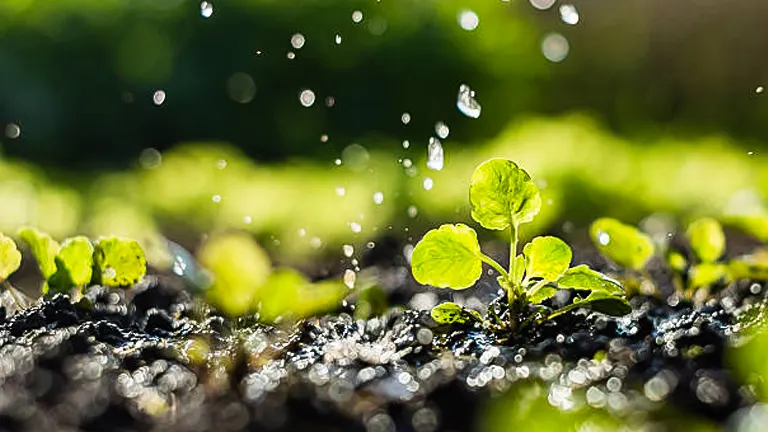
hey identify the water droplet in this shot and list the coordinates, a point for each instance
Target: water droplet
(378, 198)
(442, 130)
(569, 14)
(428, 183)
(12, 130)
(349, 278)
(759, 89)
(315, 243)
(370, 245)
(356, 157)
(555, 47)
(750, 153)
(405, 118)
(340, 191)
(216, 198)
(109, 273)
(348, 250)
(406, 144)
(307, 97)
(466, 102)
(468, 20)
(323, 138)
(337, 39)
(355, 227)
(435, 158)
(158, 97)
(413, 211)
(603, 238)
(357, 16)
(407, 163)
(150, 158)
(301, 232)
(221, 164)
(337, 162)
(206, 9)
(241, 88)
(542, 4)
(291, 55)
(297, 41)
(247, 220)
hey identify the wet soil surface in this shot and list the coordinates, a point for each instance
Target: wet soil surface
(162, 361)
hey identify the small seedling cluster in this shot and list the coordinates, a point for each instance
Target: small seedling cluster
(70, 266)
(503, 197)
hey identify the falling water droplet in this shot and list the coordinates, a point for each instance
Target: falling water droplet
(466, 102)
(348, 250)
(307, 97)
(216, 198)
(338, 39)
(158, 97)
(407, 163)
(428, 183)
(330, 101)
(315, 243)
(221, 164)
(355, 227)
(301, 232)
(337, 162)
(759, 89)
(468, 20)
(349, 278)
(569, 14)
(542, 4)
(413, 211)
(435, 158)
(291, 55)
(405, 118)
(378, 198)
(12, 130)
(297, 41)
(406, 144)
(148, 159)
(442, 130)
(247, 220)
(357, 16)
(340, 191)
(603, 238)
(555, 47)
(323, 138)
(206, 9)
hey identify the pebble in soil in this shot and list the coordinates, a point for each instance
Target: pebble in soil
(160, 360)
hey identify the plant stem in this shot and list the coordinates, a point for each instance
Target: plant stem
(496, 266)
(539, 285)
(513, 254)
(515, 290)
(563, 310)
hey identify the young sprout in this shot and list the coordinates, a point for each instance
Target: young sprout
(625, 245)
(119, 262)
(503, 197)
(10, 261)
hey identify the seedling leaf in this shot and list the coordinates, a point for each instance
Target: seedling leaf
(74, 264)
(451, 313)
(448, 257)
(501, 194)
(10, 257)
(287, 294)
(545, 292)
(547, 258)
(44, 249)
(519, 269)
(601, 301)
(239, 267)
(707, 239)
(584, 278)
(119, 262)
(706, 274)
(623, 244)
(676, 261)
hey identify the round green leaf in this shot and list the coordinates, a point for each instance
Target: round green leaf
(707, 239)
(502, 194)
(584, 278)
(451, 313)
(43, 248)
(448, 257)
(547, 258)
(10, 257)
(119, 262)
(74, 264)
(623, 244)
(601, 301)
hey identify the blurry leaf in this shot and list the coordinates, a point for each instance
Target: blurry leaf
(119, 262)
(451, 313)
(74, 264)
(371, 301)
(447, 257)
(601, 301)
(10, 257)
(754, 225)
(519, 268)
(748, 361)
(547, 258)
(584, 278)
(676, 261)
(239, 267)
(288, 295)
(707, 239)
(502, 194)
(545, 292)
(706, 274)
(43, 247)
(753, 266)
(623, 244)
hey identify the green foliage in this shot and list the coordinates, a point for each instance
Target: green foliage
(448, 257)
(74, 264)
(119, 262)
(707, 239)
(10, 257)
(44, 248)
(503, 196)
(623, 244)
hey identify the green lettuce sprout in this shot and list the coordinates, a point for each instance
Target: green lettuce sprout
(503, 197)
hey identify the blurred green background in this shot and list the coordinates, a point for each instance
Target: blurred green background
(181, 117)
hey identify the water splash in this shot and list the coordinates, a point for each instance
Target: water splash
(206, 9)
(348, 250)
(349, 278)
(435, 156)
(466, 102)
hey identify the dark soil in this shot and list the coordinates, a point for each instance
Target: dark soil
(161, 361)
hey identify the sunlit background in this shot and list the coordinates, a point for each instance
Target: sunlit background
(327, 127)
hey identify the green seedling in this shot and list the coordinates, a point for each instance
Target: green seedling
(626, 246)
(10, 261)
(503, 197)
